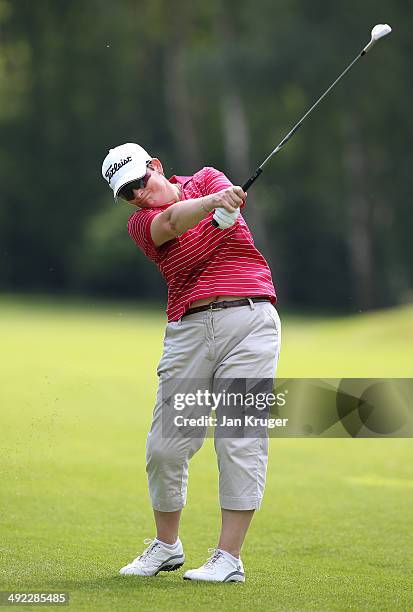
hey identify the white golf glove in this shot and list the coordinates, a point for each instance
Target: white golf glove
(224, 218)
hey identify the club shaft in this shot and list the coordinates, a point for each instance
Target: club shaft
(286, 138)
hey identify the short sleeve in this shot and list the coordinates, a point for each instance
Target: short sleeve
(214, 180)
(139, 228)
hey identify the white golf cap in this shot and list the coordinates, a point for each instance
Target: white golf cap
(124, 164)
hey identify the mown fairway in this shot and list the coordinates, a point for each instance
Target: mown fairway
(77, 389)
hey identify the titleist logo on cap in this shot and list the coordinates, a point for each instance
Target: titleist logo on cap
(113, 168)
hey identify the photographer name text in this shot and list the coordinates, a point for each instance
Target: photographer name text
(245, 421)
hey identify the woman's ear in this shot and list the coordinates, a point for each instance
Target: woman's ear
(156, 165)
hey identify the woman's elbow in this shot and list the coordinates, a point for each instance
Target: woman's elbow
(173, 226)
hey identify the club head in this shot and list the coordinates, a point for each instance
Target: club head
(379, 30)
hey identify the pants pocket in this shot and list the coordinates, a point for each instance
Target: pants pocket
(271, 315)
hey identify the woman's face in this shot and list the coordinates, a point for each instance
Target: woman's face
(158, 191)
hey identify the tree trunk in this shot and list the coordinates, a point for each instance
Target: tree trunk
(359, 215)
(236, 133)
(177, 96)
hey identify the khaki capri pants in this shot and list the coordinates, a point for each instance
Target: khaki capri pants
(238, 342)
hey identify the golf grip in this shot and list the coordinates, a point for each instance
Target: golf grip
(245, 188)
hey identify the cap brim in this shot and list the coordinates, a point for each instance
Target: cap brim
(128, 178)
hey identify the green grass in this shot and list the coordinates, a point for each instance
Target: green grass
(77, 389)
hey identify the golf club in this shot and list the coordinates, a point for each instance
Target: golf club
(377, 32)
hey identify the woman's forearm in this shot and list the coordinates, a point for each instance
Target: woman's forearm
(187, 214)
(182, 216)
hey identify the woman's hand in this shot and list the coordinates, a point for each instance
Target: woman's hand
(224, 218)
(226, 204)
(230, 199)
(179, 217)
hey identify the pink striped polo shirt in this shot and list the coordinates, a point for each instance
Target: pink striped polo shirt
(204, 261)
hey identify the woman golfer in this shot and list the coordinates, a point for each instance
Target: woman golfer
(222, 324)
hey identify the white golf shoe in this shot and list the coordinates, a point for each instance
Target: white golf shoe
(219, 568)
(156, 558)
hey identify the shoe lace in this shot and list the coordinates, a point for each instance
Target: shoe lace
(152, 545)
(216, 557)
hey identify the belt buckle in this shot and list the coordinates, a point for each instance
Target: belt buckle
(211, 306)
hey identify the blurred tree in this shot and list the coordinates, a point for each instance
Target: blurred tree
(359, 215)
(228, 28)
(180, 115)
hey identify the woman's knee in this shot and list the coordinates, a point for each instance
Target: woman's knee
(159, 452)
(170, 451)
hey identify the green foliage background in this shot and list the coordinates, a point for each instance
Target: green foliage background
(216, 83)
